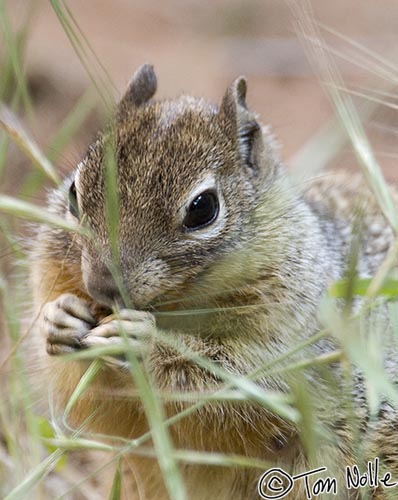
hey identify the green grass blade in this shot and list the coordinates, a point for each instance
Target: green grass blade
(112, 199)
(25, 210)
(84, 383)
(71, 125)
(24, 490)
(275, 401)
(116, 490)
(360, 286)
(99, 78)
(10, 123)
(112, 210)
(15, 51)
(325, 66)
(105, 76)
(160, 433)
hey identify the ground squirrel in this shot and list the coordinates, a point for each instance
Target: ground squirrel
(209, 220)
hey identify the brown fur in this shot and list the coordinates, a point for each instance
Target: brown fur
(279, 248)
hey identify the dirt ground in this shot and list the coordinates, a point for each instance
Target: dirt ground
(199, 47)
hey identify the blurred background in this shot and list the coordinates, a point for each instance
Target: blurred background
(200, 47)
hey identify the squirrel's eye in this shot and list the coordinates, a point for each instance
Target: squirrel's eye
(202, 211)
(73, 206)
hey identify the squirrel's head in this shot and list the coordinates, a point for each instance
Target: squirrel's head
(188, 175)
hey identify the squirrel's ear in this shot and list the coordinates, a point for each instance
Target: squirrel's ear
(240, 124)
(141, 87)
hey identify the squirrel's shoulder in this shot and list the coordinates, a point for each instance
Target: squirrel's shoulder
(346, 197)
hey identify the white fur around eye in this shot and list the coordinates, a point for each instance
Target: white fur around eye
(214, 228)
(75, 179)
(79, 167)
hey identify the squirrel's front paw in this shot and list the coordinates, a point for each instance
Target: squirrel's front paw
(128, 328)
(66, 321)
(69, 326)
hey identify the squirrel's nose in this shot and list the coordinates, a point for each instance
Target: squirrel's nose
(102, 288)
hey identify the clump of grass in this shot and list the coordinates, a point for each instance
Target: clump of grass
(32, 449)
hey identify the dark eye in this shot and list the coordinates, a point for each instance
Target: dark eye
(73, 206)
(202, 211)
